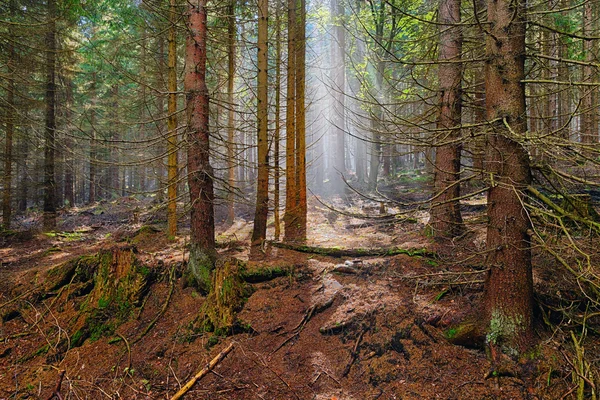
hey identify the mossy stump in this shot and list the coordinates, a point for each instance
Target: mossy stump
(119, 283)
(226, 297)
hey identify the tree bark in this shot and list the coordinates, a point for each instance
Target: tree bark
(172, 165)
(69, 146)
(92, 176)
(259, 232)
(508, 297)
(339, 89)
(50, 121)
(301, 215)
(589, 124)
(290, 126)
(10, 127)
(200, 173)
(231, 36)
(277, 117)
(446, 219)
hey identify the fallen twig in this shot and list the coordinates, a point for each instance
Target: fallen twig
(203, 372)
(15, 336)
(17, 297)
(128, 350)
(56, 391)
(354, 353)
(312, 311)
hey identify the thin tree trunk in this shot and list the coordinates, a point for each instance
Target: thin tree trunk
(277, 116)
(22, 172)
(159, 172)
(339, 81)
(172, 165)
(446, 219)
(508, 297)
(231, 33)
(377, 114)
(477, 146)
(301, 213)
(112, 185)
(50, 129)
(69, 145)
(290, 126)
(10, 127)
(589, 126)
(93, 144)
(259, 232)
(200, 173)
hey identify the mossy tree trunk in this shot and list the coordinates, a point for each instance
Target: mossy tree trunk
(200, 172)
(508, 298)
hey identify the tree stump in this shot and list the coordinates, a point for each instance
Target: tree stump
(226, 298)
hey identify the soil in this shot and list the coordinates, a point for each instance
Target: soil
(330, 328)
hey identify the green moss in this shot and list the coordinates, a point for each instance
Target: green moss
(228, 294)
(451, 333)
(212, 341)
(103, 303)
(200, 268)
(265, 274)
(503, 329)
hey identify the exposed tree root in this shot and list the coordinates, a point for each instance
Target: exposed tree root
(162, 310)
(56, 391)
(311, 312)
(335, 252)
(354, 352)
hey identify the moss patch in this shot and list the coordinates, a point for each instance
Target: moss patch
(226, 298)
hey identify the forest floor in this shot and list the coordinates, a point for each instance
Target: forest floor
(370, 329)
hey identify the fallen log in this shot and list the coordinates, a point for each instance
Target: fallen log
(339, 253)
(220, 357)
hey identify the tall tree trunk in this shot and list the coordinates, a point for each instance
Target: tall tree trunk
(10, 128)
(564, 101)
(339, 89)
(172, 164)
(93, 154)
(259, 232)
(290, 126)
(69, 145)
(377, 114)
(508, 297)
(22, 172)
(446, 219)
(50, 129)
(200, 172)
(112, 184)
(159, 170)
(589, 125)
(301, 121)
(277, 117)
(477, 146)
(231, 37)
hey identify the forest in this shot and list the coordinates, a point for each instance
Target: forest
(292, 199)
